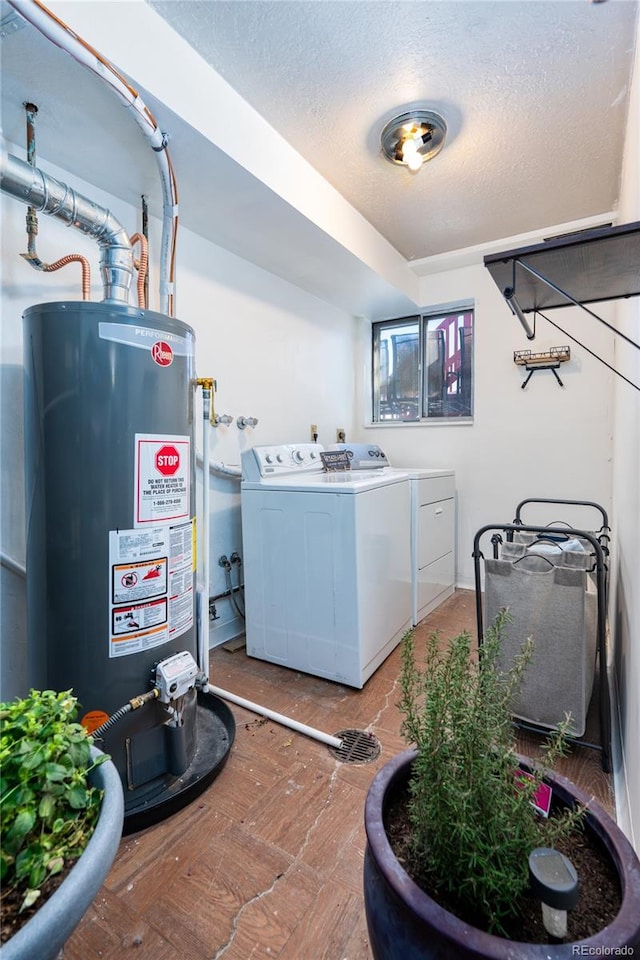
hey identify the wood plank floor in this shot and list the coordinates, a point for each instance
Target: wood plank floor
(267, 862)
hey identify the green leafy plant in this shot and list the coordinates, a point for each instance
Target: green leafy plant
(49, 810)
(472, 820)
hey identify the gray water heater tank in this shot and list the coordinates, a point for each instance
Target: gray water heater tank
(110, 492)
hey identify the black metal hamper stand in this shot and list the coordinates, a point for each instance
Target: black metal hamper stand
(597, 546)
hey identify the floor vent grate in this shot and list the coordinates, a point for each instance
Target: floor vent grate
(358, 746)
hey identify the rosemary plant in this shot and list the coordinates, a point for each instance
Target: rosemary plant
(473, 823)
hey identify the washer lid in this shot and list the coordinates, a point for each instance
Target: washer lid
(345, 482)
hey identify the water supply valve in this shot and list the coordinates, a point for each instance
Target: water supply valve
(243, 422)
(176, 676)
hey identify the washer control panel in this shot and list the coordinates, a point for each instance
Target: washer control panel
(281, 459)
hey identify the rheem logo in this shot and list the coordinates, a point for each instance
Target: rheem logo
(161, 353)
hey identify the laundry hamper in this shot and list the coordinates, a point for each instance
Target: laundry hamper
(553, 580)
(551, 597)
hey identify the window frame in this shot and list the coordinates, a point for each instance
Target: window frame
(422, 319)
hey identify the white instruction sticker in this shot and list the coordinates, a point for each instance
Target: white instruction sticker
(162, 479)
(151, 599)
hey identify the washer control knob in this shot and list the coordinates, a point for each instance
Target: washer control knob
(298, 456)
(313, 455)
(269, 458)
(279, 458)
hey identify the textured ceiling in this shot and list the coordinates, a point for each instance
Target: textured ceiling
(534, 95)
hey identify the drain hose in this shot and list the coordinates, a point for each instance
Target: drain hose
(276, 717)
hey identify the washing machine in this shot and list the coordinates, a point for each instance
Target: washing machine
(327, 562)
(432, 519)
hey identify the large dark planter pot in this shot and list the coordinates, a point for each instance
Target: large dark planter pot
(406, 924)
(44, 935)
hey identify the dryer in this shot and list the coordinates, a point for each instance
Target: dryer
(433, 533)
(327, 562)
(432, 519)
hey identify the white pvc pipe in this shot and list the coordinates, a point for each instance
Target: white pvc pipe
(13, 565)
(277, 717)
(203, 652)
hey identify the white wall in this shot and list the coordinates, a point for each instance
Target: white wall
(543, 441)
(625, 600)
(276, 352)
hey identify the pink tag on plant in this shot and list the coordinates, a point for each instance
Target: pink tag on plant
(541, 799)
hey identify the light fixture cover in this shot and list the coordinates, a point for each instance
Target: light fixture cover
(422, 130)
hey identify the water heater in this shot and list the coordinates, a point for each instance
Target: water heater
(111, 540)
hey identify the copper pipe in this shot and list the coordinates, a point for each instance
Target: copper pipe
(73, 258)
(32, 220)
(145, 233)
(141, 266)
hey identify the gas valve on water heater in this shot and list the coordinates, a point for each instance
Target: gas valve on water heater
(176, 676)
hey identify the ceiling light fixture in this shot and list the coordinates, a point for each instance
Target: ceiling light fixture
(413, 138)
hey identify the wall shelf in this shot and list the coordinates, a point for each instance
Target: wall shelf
(580, 268)
(547, 360)
(592, 266)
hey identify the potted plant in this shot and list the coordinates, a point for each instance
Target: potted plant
(62, 817)
(459, 806)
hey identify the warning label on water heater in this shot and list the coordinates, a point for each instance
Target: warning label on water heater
(150, 586)
(162, 480)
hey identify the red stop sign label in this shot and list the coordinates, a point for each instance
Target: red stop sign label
(167, 460)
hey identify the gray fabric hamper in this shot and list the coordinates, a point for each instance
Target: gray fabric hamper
(550, 597)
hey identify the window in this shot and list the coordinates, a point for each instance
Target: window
(423, 367)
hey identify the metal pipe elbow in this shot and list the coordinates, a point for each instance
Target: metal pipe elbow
(43, 192)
